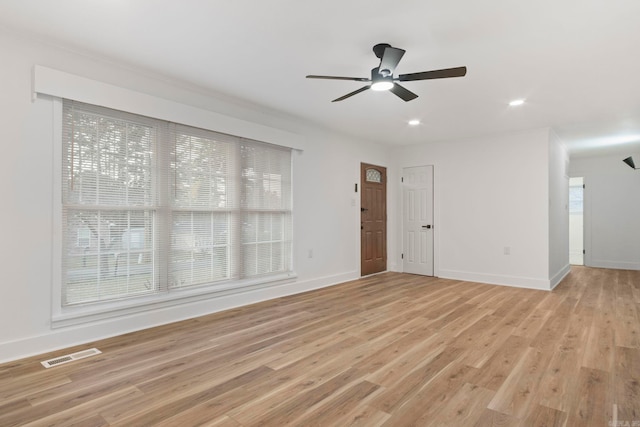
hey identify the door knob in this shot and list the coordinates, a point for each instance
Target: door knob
(426, 226)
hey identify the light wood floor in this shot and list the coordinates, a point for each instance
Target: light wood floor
(392, 349)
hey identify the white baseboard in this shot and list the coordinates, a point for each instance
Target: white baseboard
(616, 265)
(64, 337)
(557, 278)
(496, 279)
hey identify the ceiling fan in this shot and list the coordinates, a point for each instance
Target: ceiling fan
(382, 76)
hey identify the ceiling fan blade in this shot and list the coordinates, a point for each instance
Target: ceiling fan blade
(403, 93)
(435, 74)
(390, 60)
(355, 92)
(355, 79)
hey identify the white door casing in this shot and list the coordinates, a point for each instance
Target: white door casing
(417, 220)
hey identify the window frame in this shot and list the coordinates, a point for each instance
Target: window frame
(167, 296)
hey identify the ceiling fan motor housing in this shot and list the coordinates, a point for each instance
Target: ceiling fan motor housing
(378, 49)
(377, 76)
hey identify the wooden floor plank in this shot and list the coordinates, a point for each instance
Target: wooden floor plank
(404, 389)
(599, 349)
(542, 416)
(427, 402)
(286, 386)
(490, 418)
(559, 382)
(150, 416)
(592, 404)
(531, 325)
(627, 384)
(496, 370)
(298, 406)
(464, 407)
(516, 395)
(339, 406)
(362, 416)
(392, 349)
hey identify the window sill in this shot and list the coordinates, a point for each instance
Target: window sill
(96, 312)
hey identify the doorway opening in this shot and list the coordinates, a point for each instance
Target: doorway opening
(576, 221)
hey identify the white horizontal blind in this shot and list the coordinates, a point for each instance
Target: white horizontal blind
(203, 204)
(109, 205)
(265, 204)
(150, 206)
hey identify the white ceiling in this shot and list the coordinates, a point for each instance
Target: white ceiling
(575, 61)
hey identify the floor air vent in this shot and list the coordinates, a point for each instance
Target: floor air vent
(70, 358)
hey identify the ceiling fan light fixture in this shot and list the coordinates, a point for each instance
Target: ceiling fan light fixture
(414, 122)
(516, 102)
(381, 85)
(380, 81)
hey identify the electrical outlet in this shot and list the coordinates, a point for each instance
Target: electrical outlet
(310, 253)
(507, 250)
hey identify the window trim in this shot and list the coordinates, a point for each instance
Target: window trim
(59, 84)
(76, 315)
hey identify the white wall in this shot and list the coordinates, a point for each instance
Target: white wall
(324, 177)
(490, 193)
(611, 211)
(558, 210)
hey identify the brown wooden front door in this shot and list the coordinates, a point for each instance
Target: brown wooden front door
(373, 207)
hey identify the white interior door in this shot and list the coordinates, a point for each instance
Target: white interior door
(417, 220)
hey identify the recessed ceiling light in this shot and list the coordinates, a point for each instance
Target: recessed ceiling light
(516, 102)
(414, 122)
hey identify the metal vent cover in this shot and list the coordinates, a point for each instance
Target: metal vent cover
(70, 357)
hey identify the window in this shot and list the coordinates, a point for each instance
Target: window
(153, 207)
(576, 198)
(203, 205)
(374, 175)
(84, 237)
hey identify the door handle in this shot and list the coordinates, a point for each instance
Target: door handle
(426, 226)
(363, 209)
